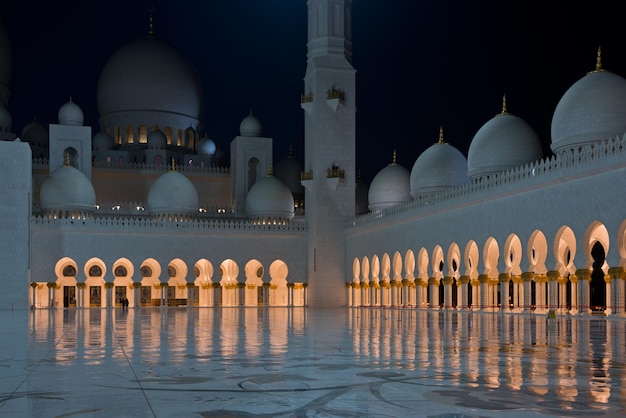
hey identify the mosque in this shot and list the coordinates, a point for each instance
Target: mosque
(143, 208)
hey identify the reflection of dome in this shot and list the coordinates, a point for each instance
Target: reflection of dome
(206, 146)
(390, 187)
(439, 167)
(592, 109)
(71, 114)
(289, 172)
(67, 188)
(250, 126)
(269, 198)
(5, 65)
(5, 119)
(361, 195)
(156, 139)
(35, 133)
(504, 142)
(102, 141)
(173, 193)
(149, 75)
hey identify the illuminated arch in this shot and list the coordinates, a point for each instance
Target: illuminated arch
(123, 269)
(565, 251)
(409, 265)
(596, 233)
(64, 265)
(150, 272)
(621, 243)
(254, 272)
(365, 270)
(422, 264)
(375, 269)
(94, 270)
(177, 272)
(513, 255)
(491, 255)
(356, 270)
(454, 260)
(203, 271)
(437, 262)
(397, 266)
(471, 258)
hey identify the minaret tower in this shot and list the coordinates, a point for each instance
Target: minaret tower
(329, 131)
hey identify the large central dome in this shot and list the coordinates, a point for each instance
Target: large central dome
(148, 74)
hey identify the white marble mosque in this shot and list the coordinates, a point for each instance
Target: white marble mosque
(143, 206)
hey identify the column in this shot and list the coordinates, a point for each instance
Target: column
(433, 284)
(518, 293)
(503, 280)
(266, 294)
(108, 294)
(163, 287)
(80, 294)
(483, 279)
(584, 301)
(447, 292)
(574, 288)
(541, 304)
(136, 286)
(617, 290)
(527, 278)
(421, 292)
(608, 295)
(553, 292)
(463, 288)
(562, 282)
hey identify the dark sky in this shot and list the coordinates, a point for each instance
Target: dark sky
(420, 64)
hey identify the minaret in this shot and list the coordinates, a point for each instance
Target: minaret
(329, 121)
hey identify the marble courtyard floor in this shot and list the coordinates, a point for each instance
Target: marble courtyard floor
(304, 362)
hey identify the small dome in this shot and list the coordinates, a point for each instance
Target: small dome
(504, 142)
(361, 196)
(5, 119)
(71, 114)
(206, 146)
(67, 188)
(289, 171)
(593, 109)
(35, 133)
(102, 141)
(391, 186)
(173, 193)
(250, 126)
(156, 139)
(269, 198)
(439, 167)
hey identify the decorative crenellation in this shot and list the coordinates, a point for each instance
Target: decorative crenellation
(150, 224)
(555, 166)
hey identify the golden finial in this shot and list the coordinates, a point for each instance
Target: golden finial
(440, 135)
(598, 62)
(269, 170)
(151, 23)
(504, 112)
(173, 167)
(393, 162)
(68, 162)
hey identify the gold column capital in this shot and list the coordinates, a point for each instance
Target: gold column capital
(504, 277)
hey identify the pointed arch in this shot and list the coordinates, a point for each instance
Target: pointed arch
(513, 255)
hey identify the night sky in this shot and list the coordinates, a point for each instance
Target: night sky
(420, 64)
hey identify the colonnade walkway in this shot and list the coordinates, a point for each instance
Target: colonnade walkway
(296, 362)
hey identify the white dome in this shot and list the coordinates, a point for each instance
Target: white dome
(71, 114)
(156, 139)
(5, 119)
(173, 193)
(206, 146)
(67, 188)
(102, 141)
(391, 186)
(250, 126)
(504, 142)
(289, 171)
(269, 198)
(149, 75)
(439, 167)
(593, 109)
(35, 133)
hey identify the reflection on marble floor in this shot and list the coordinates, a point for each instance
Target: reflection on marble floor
(303, 362)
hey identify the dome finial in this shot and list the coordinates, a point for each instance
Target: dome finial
(151, 23)
(173, 167)
(504, 111)
(270, 173)
(440, 135)
(598, 61)
(68, 160)
(394, 162)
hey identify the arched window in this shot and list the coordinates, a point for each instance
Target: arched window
(143, 134)
(130, 139)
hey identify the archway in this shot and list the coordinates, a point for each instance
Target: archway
(597, 285)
